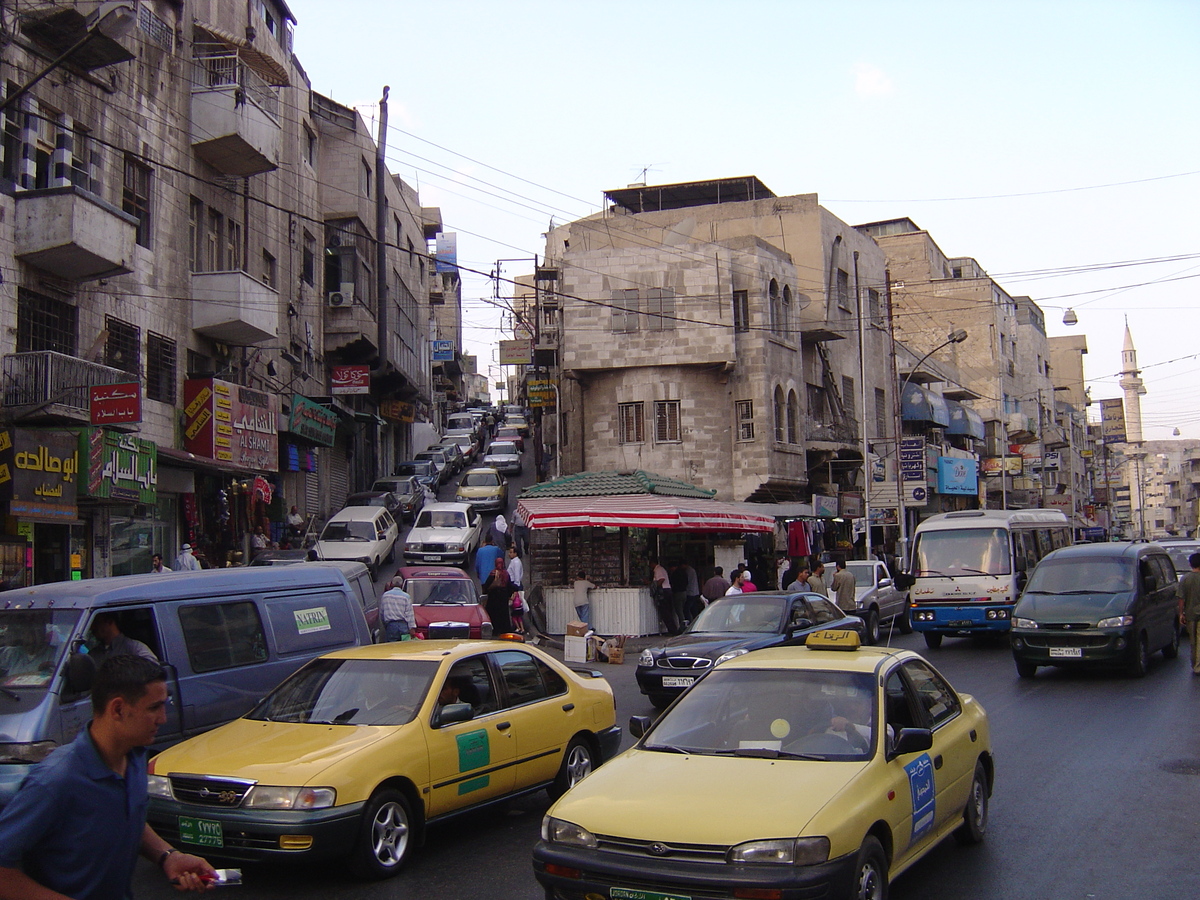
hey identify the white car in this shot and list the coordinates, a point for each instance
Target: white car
(504, 457)
(876, 598)
(444, 533)
(365, 534)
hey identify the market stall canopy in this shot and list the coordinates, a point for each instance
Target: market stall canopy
(634, 499)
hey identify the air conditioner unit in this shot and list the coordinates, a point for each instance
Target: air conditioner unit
(339, 298)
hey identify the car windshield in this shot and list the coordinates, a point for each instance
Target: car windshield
(502, 448)
(441, 518)
(974, 551)
(413, 469)
(480, 479)
(864, 573)
(350, 692)
(32, 641)
(774, 713)
(741, 612)
(1102, 575)
(441, 592)
(348, 531)
(368, 500)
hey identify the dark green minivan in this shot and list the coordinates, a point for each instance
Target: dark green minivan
(1105, 604)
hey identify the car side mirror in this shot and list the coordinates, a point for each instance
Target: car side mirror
(885, 582)
(904, 581)
(799, 625)
(639, 725)
(911, 740)
(81, 672)
(1148, 584)
(455, 712)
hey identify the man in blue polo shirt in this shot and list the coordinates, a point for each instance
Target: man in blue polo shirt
(78, 822)
(485, 558)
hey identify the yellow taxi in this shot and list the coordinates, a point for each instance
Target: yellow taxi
(357, 752)
(820, 770)
(484, 488)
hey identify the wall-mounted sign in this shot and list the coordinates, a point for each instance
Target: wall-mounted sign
(825, 507)
(38, 472)
(541, 393)
(851, 505)
(446, 258)
(231, 424)
(350, 379)
(118, 466)
(1013, 465)
(443, 351)
(111, 404)
(397, 411)
(1112, 420)
(957, 476)
(516, 353)
(312, 421)
(912, 459)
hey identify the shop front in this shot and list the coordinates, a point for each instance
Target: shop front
(118, 491)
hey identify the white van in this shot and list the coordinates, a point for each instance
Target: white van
(365, 534)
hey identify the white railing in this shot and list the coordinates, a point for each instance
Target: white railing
(43, 377)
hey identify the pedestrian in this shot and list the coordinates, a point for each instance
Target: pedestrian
(739, 579)
(692, 604)
(660, 593)
(516, 569)
(520, 532)
(295, 523)
(485, 558)
(396, 613)
(843, 585)
(1188, 590)
(782, 567)
(113, 643)
(677, 578)
(500, 536)
(748, 585)
(157, 567)
(583, 603)
(816, 581)
(801, 582)
(715, 587)
(185, 561)
(77, 823)
(499, 594)
(259, 542)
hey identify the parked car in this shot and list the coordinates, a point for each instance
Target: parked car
(366, 534)
(386, 499)
(467, 442)
(442, 595)
(458, 461)
(1110, 604)
(1179, 549)
(280, 557)
(483, 488)
(504, 457)
(424, 470)
(519, 423)
(408, 489)
(727, 628)
(440, 460)
(444, 533)
(787, 772)
(462, 420)
(877, 600)
(510, 433)
(356, 754)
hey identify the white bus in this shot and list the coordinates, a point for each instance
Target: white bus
(968, 567)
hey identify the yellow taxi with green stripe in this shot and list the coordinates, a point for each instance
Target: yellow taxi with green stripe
(822, 770)
(357, 752)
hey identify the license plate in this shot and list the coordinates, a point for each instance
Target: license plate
(433, 559)
(1066, 653)
(628, 894)
(204, 832)
(960, 623)
(676, 681)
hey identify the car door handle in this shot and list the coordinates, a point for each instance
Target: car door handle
(937, 761)
(504, 726)
(567, 707)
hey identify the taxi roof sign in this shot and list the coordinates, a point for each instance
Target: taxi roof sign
(833, 640)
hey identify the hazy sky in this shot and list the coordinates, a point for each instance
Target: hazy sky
(1058, 143)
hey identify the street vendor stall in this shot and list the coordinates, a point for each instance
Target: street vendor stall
(608, 524)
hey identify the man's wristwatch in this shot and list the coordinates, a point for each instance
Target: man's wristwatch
(162, 858)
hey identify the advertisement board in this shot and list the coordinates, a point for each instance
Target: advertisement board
(912, 459)
(1112, 420)
(516, 353)
(231, 424)
(957, 476)
(118, 466)
(39, 472)
(112, 404)
(350, 379)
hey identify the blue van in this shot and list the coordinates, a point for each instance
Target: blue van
(225, 637)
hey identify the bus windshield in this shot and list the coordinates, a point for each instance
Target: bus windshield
(970, 551)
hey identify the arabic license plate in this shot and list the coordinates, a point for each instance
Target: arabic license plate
(960, 623)
(628, 894)
(1066, 653)
(433, 559)
(677, 681)
(204, 832)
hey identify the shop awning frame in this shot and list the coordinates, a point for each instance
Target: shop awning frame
(664, 513)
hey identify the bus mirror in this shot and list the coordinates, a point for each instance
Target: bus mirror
(904, 581)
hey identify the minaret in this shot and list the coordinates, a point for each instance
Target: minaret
(1133, 386)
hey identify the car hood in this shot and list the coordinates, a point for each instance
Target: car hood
(269, 752)
(438, 535)
(482, 490)
(651, 795)
(472, 614)
(345, 549)
(713, 644)
(1071, 607)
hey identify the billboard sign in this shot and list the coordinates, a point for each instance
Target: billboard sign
(39, 473)
(516, 353)
(446, 252)
(350, 379)
(1112, 420)
(231, 424)
(112, 404)
(957, 476)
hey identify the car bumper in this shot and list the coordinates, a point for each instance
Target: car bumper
(650, 680)
(421, 556)
(484, 502)
(604, 874)
(609, 741)
(962, 619)
(1050, 648)
(258, 835)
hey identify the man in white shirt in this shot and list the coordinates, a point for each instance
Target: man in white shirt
(516, 569)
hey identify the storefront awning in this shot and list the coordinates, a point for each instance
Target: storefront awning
(921, 405)
(964, 421)
(642, 511)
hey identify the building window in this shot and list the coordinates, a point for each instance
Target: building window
(630, 424)
(123, 346)
(843, 289)
(666, 422)
(874, 309)
(160, 368)
(399, 231)
(660, 310)
(269, 271)
(881, 416)
(848, 403)
(135, 197)
(745, 419)
(773, 306)
(233, 245)
(780, 417)
(365, 187)
(308, 260)
(44, 323)
(741, 312)
(195, 235)
(785, 313)
(624, 311)
(309, 143)
(793, 418)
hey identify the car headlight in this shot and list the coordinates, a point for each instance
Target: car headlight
(159, 786)
(1115, 622)
(646, 658)
(27, 752)
(412, 545)
(556, 831)
(732, 654)
(456, 547)
(785, 851)
(1018, 622)
(267, 796)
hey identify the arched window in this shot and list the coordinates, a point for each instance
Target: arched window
(773, 303)
(780, 416)
(785, 325)
(793, 418)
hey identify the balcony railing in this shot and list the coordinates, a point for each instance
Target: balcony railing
(842, 432)
(46, 384)
(235, 114)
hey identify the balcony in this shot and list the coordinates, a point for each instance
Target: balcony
(53, 387)
(233, 307)
(235, 115)
(843, 432)
(350, 327)
(73, 234)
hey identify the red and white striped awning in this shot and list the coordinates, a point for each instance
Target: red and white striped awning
(642, 511)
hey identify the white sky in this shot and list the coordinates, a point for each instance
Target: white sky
(1032, 135)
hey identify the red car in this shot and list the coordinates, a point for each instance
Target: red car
(510, 433)
(443, 594)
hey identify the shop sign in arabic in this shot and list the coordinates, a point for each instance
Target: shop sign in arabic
(912, 459)
(231, 424)
(350, 379)
(312, 421)
(119, 466)
(38, 471)
(111, 404)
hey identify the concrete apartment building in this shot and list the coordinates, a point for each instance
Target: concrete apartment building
(188, 227)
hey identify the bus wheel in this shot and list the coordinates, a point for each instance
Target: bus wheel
(933, 640)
